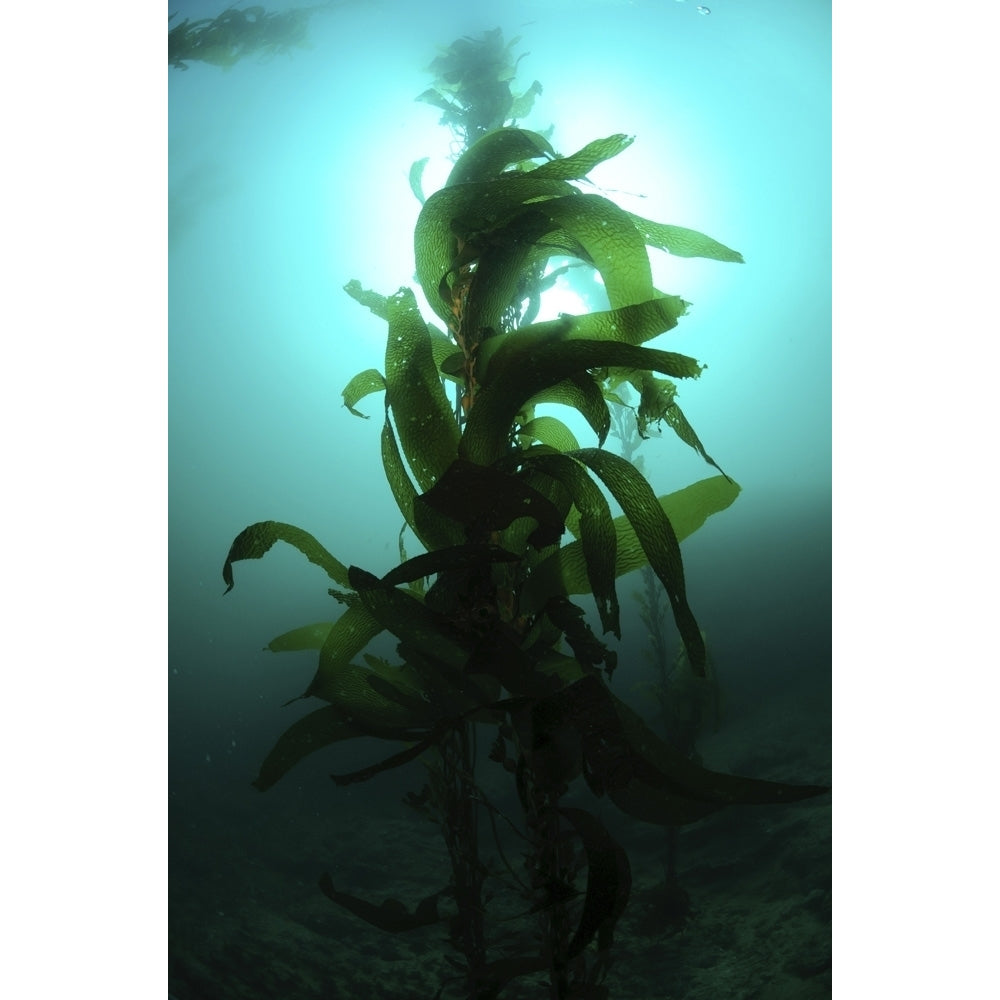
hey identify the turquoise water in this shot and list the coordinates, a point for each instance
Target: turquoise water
(288, 178)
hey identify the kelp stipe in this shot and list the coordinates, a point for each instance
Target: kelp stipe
(490, 491)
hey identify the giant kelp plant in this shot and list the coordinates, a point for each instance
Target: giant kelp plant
(488, 636)
(496, 639)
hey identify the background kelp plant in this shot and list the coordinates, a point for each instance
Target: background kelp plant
(514, 522)
(239, 32)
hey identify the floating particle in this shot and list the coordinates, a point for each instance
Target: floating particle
(703, 10)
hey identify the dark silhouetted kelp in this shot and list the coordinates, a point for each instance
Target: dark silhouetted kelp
(490, 491)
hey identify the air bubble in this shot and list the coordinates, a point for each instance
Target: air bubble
(703, 10)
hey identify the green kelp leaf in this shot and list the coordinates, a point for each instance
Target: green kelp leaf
(378, 304)
(567, 669)
(629, 325)
(587, 648)
(497, 404)
(565, 571)
(412, 621)
(689, 508)
(656, 396)
(394, 689)
(347, 637)
(425, 423)
(312, 732)
(620, 755)
(306, 637)
(432, 97)
(683, 242)
(437, 654)
(363, 384)
(581, 392)
(682, 791)
(577, 165)
(389, 915)
(676, 420)
(425, 741)
(505, 255)
(634, 324)
(433, 530)
(549, 431)
(365, 706)
(453, 366)
(520, 533)
(602, 751)
(597, 530)
(483, 499)
(611, 241)
(416, 178)
(449, 560)
(498, 662)
(442, 348)
(437, 734)
(657, 403)
(656, 536)
(609, 882)
(573, 525)
(660, 806)
(447, 693)
(489, 156)
(403, 490)
(523, 103)
(401, 694)
(384, 700)
(471, 211)
(254, 542)
(376, 663)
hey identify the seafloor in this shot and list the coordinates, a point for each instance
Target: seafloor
(247, 919)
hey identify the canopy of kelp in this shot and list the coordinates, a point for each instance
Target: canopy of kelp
(472, 86)
(235, 34)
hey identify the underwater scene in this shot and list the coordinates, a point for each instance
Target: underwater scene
(500, 500)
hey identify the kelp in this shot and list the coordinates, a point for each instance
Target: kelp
(514, 519)
(391, 915)
(472, 78)
(237, 33)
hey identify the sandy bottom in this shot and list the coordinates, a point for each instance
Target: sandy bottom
(247, 919)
